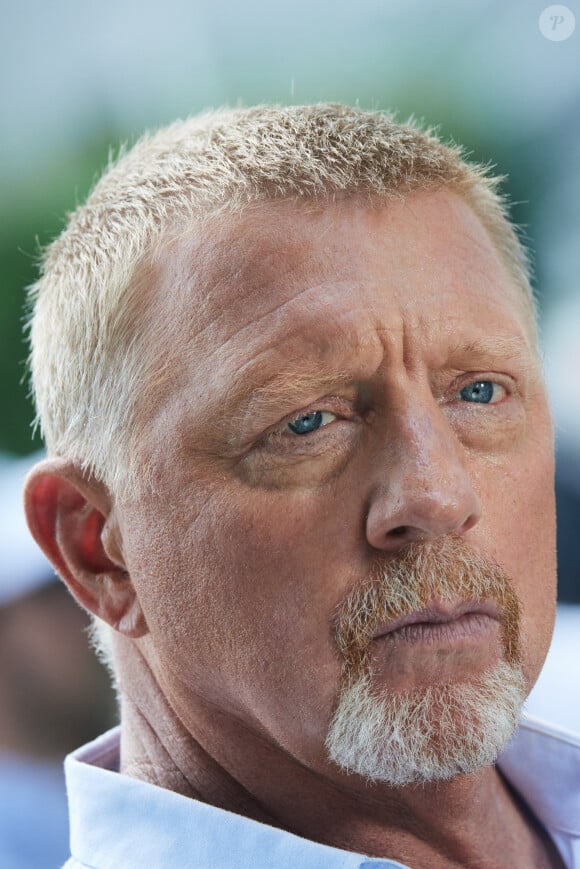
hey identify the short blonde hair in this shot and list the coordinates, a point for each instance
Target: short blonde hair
(90, 366)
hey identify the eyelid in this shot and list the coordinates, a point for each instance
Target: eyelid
(339, 407)
(301, 416)
(504, 381)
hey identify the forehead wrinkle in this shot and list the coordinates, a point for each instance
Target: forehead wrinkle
(268, 384)
(245, 258)
(436, 340)
(307, 343)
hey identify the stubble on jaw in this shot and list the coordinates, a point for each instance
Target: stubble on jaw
(442, 730)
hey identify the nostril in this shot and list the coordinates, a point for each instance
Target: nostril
(416, 514)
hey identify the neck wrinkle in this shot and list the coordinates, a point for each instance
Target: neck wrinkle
(157, 747)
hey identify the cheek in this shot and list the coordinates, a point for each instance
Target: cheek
(248, 599)
(284, 573)
(520, 530)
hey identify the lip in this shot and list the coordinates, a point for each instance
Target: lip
(439, 614)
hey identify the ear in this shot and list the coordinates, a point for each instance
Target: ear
(72, 519)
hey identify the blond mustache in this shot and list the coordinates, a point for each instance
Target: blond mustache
(445, 570)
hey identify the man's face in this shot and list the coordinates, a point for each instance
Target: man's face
(340, 382)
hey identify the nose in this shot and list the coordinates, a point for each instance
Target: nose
(424, 490)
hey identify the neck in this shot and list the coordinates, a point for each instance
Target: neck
(470, 820)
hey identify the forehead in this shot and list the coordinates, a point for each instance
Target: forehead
(322, 276)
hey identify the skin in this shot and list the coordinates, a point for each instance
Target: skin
(222, 581)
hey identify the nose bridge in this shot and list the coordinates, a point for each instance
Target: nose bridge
(424, 489)
(426, 451)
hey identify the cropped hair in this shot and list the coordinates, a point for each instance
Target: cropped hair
(91, 367)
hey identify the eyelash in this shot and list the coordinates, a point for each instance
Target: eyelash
(339, 408)
(484, 380)
(317, 418)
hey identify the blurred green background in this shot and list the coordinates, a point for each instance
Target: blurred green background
(77, 78)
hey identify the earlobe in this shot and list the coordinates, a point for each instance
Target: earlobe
(73, 521)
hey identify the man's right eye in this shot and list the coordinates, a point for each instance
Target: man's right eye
(309, 422)
(482, 392)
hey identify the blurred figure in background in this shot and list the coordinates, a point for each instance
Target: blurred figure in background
(54, 694)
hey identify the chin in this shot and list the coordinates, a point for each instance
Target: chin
(429, 734)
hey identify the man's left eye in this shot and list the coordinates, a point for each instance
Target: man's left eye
(309, 422)
(482, 392)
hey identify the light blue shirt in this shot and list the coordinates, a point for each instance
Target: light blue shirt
(119, 822)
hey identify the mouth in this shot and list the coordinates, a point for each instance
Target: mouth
(441, 622)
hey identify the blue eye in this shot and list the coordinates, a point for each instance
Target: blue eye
(310, 422)
(480, 392)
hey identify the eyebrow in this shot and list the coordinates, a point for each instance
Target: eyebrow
(292, 388)
(500, 346)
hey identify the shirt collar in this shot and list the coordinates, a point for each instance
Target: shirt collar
(541, 762)
(166, 828)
